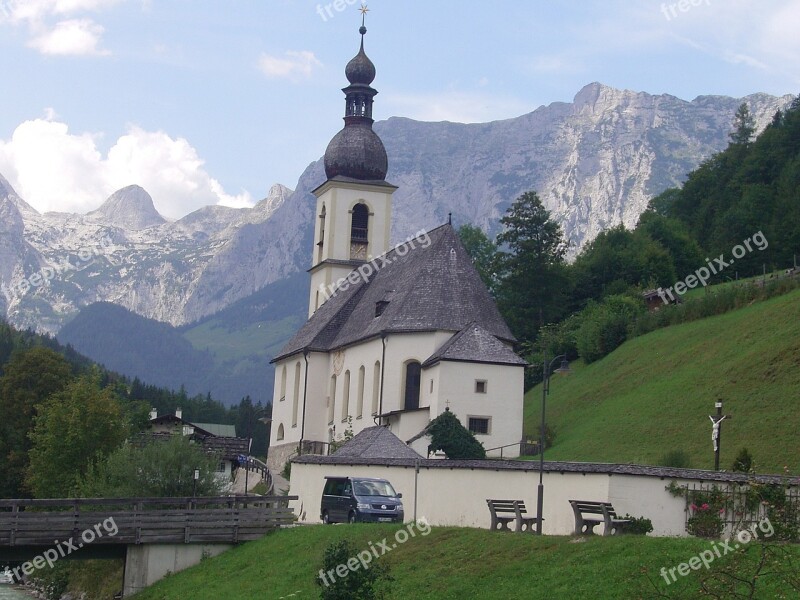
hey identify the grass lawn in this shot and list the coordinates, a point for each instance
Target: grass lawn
(461, 564)
(654, 393)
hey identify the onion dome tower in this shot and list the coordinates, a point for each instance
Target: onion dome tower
(356, 152)
(354, 205)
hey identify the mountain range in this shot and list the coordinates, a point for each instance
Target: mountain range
(595, 162)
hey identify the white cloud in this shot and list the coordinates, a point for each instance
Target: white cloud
(35, 11)
(53, 34)
(75, 37)
(293, 65)
(55, 170)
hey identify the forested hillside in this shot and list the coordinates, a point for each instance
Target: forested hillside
(49, 394)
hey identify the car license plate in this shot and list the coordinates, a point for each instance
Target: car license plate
(385, 519)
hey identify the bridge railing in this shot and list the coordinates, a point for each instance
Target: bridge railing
(223, 519)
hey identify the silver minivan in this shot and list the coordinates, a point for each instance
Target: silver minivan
(364, 499)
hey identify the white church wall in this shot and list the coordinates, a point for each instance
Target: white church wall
(501, 402)
(400, 349)
(457, 496)
(410, 424)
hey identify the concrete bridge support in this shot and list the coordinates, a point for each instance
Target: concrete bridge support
(147, 563)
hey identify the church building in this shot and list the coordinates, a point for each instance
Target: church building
(395, 335)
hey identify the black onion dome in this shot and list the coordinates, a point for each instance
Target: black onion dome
(360, 69)
(358, 153)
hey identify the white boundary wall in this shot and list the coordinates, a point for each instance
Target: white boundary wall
(457, 496)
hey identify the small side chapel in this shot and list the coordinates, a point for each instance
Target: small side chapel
(408, 334)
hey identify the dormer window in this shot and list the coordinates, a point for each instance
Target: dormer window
(380, 306)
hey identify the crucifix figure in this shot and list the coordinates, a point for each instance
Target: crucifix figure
(715, 431)
(716, 424)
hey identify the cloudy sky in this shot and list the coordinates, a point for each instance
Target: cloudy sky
(212, 101)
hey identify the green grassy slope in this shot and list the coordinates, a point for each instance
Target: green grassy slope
(653, 394)
(453, 563)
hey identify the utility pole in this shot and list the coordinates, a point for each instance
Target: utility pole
(716, 430)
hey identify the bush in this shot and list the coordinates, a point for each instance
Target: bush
(743, 463)
(357, 584)
(675, 458)
(449, 435)
(637, 525)
(604, 327)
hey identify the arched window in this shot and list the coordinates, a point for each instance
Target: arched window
(280, 432)
(332, 400)
(283, 384)
(412, 383)
(376, 386)
(359, 232)
(360, 397)
(346, 396)
(296, 394)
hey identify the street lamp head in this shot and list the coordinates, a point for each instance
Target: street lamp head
(196, 474)
(564, 368)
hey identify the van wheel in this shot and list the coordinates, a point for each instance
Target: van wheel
(325, 518)
(352, 518)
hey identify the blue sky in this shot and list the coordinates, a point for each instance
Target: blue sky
(205, 102)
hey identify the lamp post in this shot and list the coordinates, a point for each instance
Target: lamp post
(546, 369)
(194, 482)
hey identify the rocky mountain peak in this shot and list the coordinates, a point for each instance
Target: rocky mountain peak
(8, 194)
(130, 208)
(276, 196)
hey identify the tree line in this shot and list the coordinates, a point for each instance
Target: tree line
(67, 421)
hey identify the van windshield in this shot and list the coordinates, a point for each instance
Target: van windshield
(373, 488)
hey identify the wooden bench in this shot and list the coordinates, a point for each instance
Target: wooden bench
(585, 526)
(516, 508)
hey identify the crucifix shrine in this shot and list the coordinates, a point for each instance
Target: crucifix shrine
(716, 426)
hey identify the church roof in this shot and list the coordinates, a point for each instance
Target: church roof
(375, 442)
(425, 284)
(475, 344)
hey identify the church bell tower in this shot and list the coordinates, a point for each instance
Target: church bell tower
(354, 205)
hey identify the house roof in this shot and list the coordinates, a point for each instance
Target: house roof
(475, 344)
(174, 420)
(376, 443)
(430, 284)
(218, 429)
(227, 448)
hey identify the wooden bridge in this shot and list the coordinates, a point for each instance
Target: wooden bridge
(155, 535)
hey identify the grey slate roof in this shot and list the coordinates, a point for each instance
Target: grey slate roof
(550, 467)
(376, 443)
(475, 344)
(218, 429)
(432, 285)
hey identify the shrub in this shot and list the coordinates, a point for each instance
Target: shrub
(357, 584)
(675, 458)
(637, 525)
(604, 327)
(449, 435)
(705, 521)
(743, 463)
